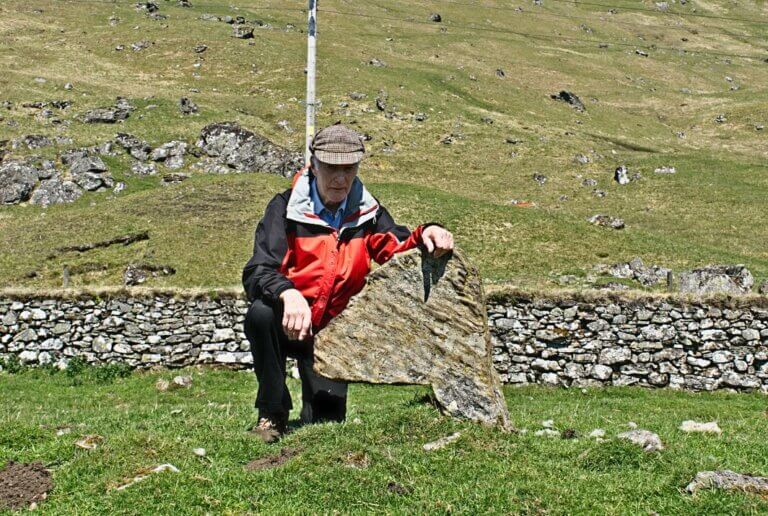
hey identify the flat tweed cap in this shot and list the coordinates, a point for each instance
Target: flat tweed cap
(337, 145)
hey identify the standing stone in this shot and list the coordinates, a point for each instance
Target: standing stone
(419, 320)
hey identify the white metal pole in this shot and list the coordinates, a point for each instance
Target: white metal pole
(311, 60)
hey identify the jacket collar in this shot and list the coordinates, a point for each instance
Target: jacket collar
(361, 205)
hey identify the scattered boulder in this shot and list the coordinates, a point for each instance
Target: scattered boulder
(46, 170)
(139, 149)
(645, 438)
(16, 182)
(109, 115)
(174, 178)
(729, 481)
(440, 311)
(435, 17)
(621, 175)
(723, 279)
(140, 45)
(71, 155)
(104, 116)
(32, 141)
(55, 191)
(171, 154)
(720, 119)
(589, 182)
(637, 270)
(569, 98)
(186, 106)
(355, 95)
(500, 73)
(84, 163)
(138, 273)
(606, 221)
(582, 159)
(199, 49)
(665, 170)
(90, 173)
(241, 150)
(763, 288)
(144, 169)
(149, 7)
(242, 31)
(377, 63)
(539, 178)
(693, 426)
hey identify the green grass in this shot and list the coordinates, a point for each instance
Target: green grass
(711, 211)
(485, 471)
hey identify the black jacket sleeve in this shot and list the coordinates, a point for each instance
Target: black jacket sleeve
(261, 276)
(390, 238)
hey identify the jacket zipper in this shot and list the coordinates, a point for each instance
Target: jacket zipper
(327, 287)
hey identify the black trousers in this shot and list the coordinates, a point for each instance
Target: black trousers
(322, 399)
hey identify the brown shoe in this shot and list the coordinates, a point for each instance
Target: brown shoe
(271, 427)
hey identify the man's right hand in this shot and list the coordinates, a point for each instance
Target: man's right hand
(297, 317)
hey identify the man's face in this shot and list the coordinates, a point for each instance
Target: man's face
(334, 181)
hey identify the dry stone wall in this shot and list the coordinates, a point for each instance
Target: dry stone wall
(573, 340)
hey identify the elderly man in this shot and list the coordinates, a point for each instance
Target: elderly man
(312, 251)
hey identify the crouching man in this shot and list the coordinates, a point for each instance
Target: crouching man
(313, 249)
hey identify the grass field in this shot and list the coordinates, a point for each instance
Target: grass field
(711, 211)
(347, 468)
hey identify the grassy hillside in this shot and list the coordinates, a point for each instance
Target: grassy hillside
(712, 210)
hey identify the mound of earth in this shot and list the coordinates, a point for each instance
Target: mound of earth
(22, 484)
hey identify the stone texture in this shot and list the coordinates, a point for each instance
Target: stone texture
(649, 441)
(727, 279)
(419, 320)
(728, 480)
(55, 191)
(234, 149)
(693, 426)
(16, 182)
(705, 345)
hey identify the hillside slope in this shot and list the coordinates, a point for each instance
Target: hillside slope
(467, 121)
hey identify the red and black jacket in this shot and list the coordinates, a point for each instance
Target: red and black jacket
(295, 248)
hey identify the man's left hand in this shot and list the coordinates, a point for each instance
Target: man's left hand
(437, 240)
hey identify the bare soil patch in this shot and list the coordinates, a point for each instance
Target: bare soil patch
(272, 461)
(22, 484)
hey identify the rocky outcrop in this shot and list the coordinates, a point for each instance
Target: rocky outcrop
(55, 191)
(230, 148)
(16, 182)
(419, 320)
